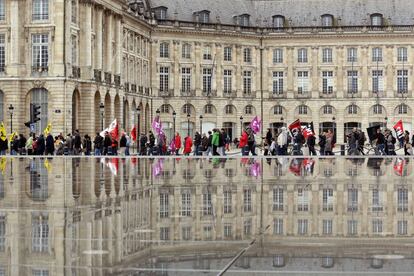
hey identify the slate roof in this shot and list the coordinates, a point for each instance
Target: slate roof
(300, 12)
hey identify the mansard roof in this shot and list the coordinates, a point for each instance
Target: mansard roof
(298, 12)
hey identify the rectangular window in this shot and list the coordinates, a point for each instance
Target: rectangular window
(303, 200)
(327, 82)
(227, 230)
(377, 81)
(2, 10)
(303, 82)
(302, 226)
(327, 227)
(186, 51)
(278, 56)
(40, 272)
(352, 200)
(164, 50)
(2, 53)
(185, 79)
(376, 201)
(186, 233)
(247, 200)
(247, 55)
(164, 79)
(278, 226)
(278, 83)
(352, 227)
(247, 82)
(326, 55)
(402, 81)
(352, 54)
(402, 200)
(207, 204)
(278, 199)
(40, 10)
(376, 226)
(164, 233)
(303, 109)
(302, 55)
(327, 200)
(186, 204)
(227, 54)
(207, 232)
(207, 74)
(402, 55)
(74, 11)
(402, 227)
(227, 87)
(40, 52)
(40, 233)
(164, 205)
(227, 206)
(207, 53)
(74, 50)
(247, 227)
(376, 54)
(352, 82)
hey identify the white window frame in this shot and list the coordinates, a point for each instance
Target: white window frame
(185, 79)
(207, 53)
(278, 110)
(247, 82)
(352, 54)
(2, 53)
(277, 55)
(164, 50)
(186, 51)
(327, 55)
(277, 82)
(227, 81)
(278, 22)
(207, 80)
(377, 81)
(164, 79)
(227, 55)
(352, 76)
(40, 51)
(327, 82)
(402, 81)
(402, 54)
(303, 82)
(302, 55)
(40, 10)
(2, 10)
(377, 54)
(278, 202)
(247, 55)
(247, 200)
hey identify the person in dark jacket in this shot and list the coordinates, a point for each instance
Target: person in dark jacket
(40, 145)
(197, 143)
(50, 144)
(311, 141)
(123, 143)
(380, 143)
(77, 143)
(204, 143)
(107, 144)
(98, 144)
(22, 144)
(114, 146)
(322, 142)
(14, 145)
(87, 144)
(210, 143)
(143, 144)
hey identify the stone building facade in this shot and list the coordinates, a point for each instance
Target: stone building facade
(212, 64)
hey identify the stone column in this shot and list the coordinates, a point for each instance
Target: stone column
(108, 41)
(118, 44)
(388, 74)
(364, 72)
(175, 66)
(338, 75)
(85, 52)
(290, 60)
(98, 51)
(14, 38)
(314, 73)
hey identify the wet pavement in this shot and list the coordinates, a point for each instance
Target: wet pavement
(189, 216)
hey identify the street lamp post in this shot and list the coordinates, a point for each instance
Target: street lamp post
(188, 124)
(201, 124)
(241, 125)
(174, 115)
(138, 128)
(101, 108)
(11, 108)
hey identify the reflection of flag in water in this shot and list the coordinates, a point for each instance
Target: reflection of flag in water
(3, 162)
(134, 160)
(295, 166)
(399, 166)
(48, 166)
(113, 165)
(157, 168)
(255, 169)
(308, 164)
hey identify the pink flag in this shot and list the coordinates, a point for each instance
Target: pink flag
(171, 147)
(157, 126)
(157, 168)
(255, 169)
(255, 124)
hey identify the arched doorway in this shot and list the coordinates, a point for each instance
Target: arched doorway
(147, 117)
(39, 96)
(117, 106)
(230, 129)
(75, 109)
(98, 119)
(276, 126)
(108, 109)
(325, 126)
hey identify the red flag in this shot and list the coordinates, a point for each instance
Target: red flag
(399, 129)
(134, 133)
(399, 166)
(113, 130)
(295, 166)
(295, 127)
(308, 164)
(308, 130)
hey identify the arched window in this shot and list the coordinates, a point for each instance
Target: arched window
(402, 109)
(352, 109)
(161, 13)
(377, 109)
(204, 17)
(302, 110)
(186, 51)
(164, 50)
(376, 19)
(39, 96)
(327, 20)
(327, 109)
(278, 21)
(208, 109)
(244, 20)
(165, 108)
(229, 109)
(187, 109)
(278, 110)
(248, 110)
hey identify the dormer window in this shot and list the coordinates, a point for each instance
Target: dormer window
(204, 17)
(278, 21)
(160, 13)
(376, 19)
(327, 20)
(244, 20)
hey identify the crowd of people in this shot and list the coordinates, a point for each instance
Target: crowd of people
(213, 143)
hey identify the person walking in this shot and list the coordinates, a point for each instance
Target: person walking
(122, 143)
(311, 141)
(143, 144)
(114, 146)
(177, 143)
(22, 144)
(215, 141)
(210, 145)
(204, 144)
(197, 143)
(243, 143)
(77, 143)
(322, 143)
(328, 143)
(98, 144)
(68, 144)
(29, 144)
(87, 144)
(50, 145)
(151, 145)
(282, 142)
(40, 145)
(188, 144)
(107, 144)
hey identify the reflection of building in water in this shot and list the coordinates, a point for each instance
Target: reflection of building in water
(94, 213)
